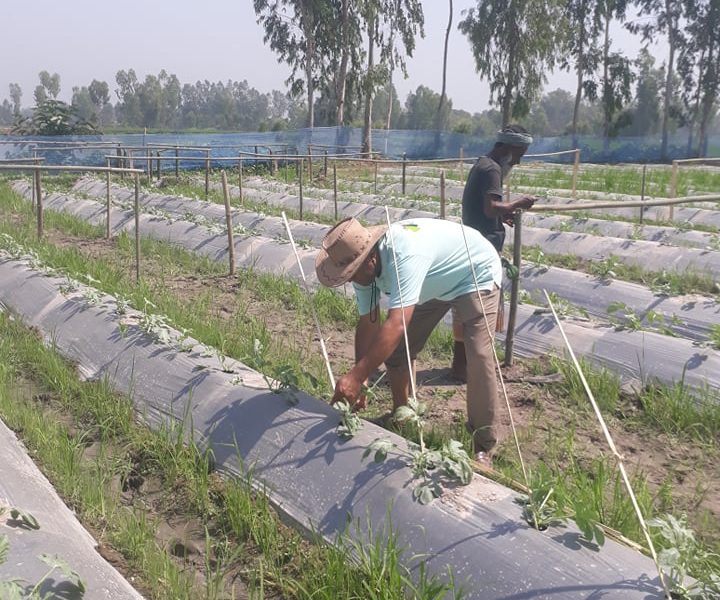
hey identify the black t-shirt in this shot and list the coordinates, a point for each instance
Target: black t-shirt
(485, 177)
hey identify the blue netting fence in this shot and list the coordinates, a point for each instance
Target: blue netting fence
(415, 144)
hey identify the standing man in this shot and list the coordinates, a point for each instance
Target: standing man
(483, 209)
(435, 271)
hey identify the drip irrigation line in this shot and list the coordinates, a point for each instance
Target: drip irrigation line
(312, 305)
(495, 356)
(613, 449)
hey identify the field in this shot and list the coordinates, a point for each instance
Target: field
(639, 300)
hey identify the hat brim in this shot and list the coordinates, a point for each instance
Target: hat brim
(330, 275)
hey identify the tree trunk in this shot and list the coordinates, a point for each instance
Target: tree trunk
(668, 79)
(438, 118)
(578, 91)
(342, 75)
(508, 91)
(390, 99)
(606, 84)
(367, 121)
(308, 32)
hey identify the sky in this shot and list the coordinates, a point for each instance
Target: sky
(217, 40)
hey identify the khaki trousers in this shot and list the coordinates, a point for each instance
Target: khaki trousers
(481, 395)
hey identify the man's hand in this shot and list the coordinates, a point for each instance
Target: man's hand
(524, 203)
(350, 388)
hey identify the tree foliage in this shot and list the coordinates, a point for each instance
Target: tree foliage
(514, 43)
(666, 17)
(53, 117)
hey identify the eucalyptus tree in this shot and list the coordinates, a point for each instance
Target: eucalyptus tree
(514, 43)
(617, 76)
(390, 26)
(347, 54)
(582, 49)
(16, 94)
(699, 66)
(665, 19)
(299, 31)
(439, 115)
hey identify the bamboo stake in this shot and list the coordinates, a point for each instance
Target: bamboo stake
(325, 164)
(120, 161)
(613, 449)
(404, 164)
(376, 174)
(335, 190)
(576, 169)
(207, 174)
(323, 347)
(240, 180)
(33, 187)
(148, 165)
(673, 188)
(137, 228)
(177, 163)
(514, 291)
(38, 194)
(642, 193)
(229, 224)
(630, 204)
(310, 174)
(442, 194)
(300, 182)
(107, 202)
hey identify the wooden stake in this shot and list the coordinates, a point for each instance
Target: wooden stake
(325, 167)
(38, 195)
(33, 187)
(240, 181)
(404, 165)
(462, 162)
(207, 174)
(273, 163)
(642, 193)
(300, 181)
(229, 224)
(137, 227)
(673, 188)
(514, 291)
(376, 173)
(310, 175)
(107, 202)
(177, 163)
(442, 194)
(576, 169)
(335, 189)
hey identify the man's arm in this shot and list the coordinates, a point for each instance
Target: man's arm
(493, 206)
(377, 348)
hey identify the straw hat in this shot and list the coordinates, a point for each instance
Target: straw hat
(343, 250)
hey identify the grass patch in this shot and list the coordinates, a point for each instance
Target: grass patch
(242, 532)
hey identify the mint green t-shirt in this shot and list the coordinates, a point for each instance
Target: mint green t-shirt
(432, 264)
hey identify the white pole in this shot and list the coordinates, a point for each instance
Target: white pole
(312, 306)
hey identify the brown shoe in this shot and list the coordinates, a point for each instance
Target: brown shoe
(459, 363)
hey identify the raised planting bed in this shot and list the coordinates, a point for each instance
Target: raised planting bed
(316, 479)
(637, 356)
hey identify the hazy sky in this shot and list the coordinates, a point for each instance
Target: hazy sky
(216, 40)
